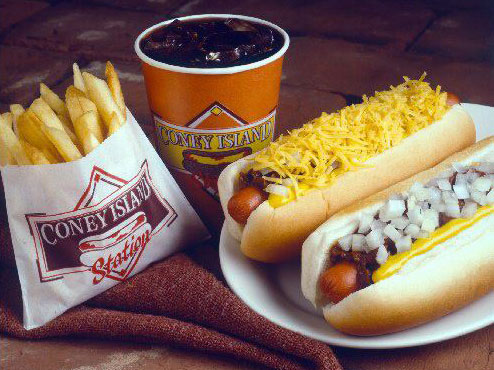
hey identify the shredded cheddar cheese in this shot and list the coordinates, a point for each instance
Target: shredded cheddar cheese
(326, 147)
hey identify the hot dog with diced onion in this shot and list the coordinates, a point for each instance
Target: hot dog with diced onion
(409, 254)
(311, 173)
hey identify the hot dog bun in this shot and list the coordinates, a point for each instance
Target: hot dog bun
(429, 286)
(276, 234)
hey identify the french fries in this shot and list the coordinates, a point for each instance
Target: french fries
(115, 88)
(12, 143)
(114, 124)
(53, 100)
(6, 157)
(36, 155)
(62, 142)
(52, 130)
(46, 115)
(16, 110)
(8, 119)
(82, 126)
(66, 124)
(29, 130)
(78, 104)
(43, 111)
(78, 80)
(100, 94)
(57, 158)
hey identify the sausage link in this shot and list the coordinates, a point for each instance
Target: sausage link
(243, 203)
(339, 281)
(452, 99)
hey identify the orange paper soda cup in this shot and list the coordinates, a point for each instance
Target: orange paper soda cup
(207, 118)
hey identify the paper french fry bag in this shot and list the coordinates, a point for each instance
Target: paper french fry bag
(81, 227)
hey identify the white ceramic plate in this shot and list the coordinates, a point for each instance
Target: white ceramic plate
(274, 291)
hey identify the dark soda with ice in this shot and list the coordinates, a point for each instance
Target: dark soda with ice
(212, 43)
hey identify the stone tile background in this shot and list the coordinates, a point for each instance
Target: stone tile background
(340, 50)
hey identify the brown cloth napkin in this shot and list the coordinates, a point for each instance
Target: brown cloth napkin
(175, 302)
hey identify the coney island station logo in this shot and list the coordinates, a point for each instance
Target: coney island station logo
(216, 137)
(107, 231)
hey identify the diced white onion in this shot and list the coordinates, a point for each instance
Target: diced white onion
(446, 174)
(450, 197)
(412, 230)
(400, 222)
(423, 234)
(428, 193)
(443, 184)
(415, 216)
(482, 184)
(453, 210)
(469, 209)
(392, 209)
(416, 187)
(403, 244)
(280, 190)
(358, 242)
(458, 167)
(487, 167)
(374, 239)
(424, 205)
(411, 202)
(490, 197)
(346, 242)
(431, 220)
(365, 223)
(461, 191)
(377, 225)
(431, 183)
(431, 214)
(479, 197)
(472, 176)
(434, 195)
(418, 190)
(439, 207)
(461, 179)
(392, 233)
(382, 255)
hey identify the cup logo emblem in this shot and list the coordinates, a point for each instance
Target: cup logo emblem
(211, 141)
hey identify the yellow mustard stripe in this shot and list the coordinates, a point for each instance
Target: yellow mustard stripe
(421, 246)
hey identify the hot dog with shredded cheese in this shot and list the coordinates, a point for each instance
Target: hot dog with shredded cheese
(274, 199)
(409, 254)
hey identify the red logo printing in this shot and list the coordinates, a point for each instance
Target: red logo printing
(106, 233)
